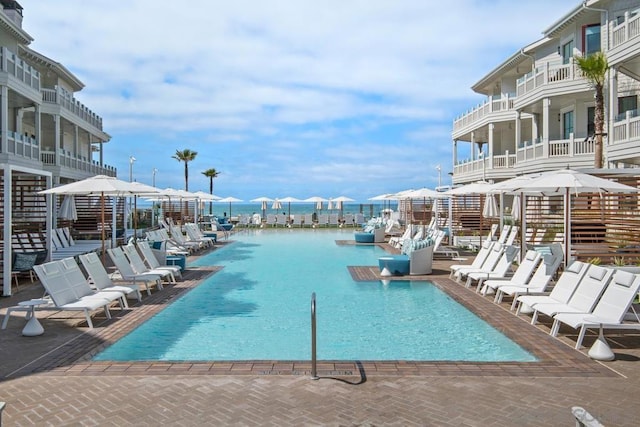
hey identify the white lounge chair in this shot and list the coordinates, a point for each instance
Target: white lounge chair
(139, 267)
(480, 257)
(80, 285)
(537, 285)
(323, 220)
(308, 220)
(610, 310)
(500, 270)
(153, 262)
(194, 234)
(584, 298)
(334, 220)
(126, 271)
(520, 277)
(441, 249)
(64, 297)
(100, 278)
(488, 264)
(296, 220)
(561, 292)
(271, 220)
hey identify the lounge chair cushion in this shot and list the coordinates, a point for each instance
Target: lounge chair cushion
(398, 265)
(24, 261)
(364, 237)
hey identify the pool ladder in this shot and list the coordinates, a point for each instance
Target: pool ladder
(314, 371)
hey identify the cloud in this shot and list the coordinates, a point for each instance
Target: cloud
(350, 94)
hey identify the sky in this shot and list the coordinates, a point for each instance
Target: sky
(284, 98)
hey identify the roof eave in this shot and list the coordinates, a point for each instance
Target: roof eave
(56, 66)
(513, 61)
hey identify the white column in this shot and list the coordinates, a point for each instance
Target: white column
(4, 119)
(518, 130)
(455, 152)
(38, 126)
(546, 115)
(56, 138)
(490, 145)
(613, 110)
(6, 271)
(473, 146)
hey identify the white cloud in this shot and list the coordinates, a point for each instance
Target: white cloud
(336, 92)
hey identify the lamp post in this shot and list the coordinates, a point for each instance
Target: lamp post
(153, 204)
(131, 160)
(439, 169)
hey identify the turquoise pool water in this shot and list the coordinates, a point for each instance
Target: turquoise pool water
(258, 308)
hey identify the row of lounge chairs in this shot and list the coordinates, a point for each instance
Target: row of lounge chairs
(68, 289)
(585, 296)
(323, 220)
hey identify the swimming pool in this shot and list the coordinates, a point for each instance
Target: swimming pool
(258, 308)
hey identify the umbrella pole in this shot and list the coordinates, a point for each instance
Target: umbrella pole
(102, 228)
(135, 217)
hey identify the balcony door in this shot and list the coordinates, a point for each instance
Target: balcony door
(567, 124)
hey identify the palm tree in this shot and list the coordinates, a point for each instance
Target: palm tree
(594, 68)
(185, 156)
(211, 173)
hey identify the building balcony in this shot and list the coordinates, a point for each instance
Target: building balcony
(11, 64)
(548, 76)
(76, 163)
(624, 35)
(482, 112)
(22, 146)
(530, 156)
(65, 99)
(625, 144)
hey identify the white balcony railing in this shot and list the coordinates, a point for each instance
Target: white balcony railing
(22, 146)
(624, 31)
(627, 129)
(500, 161)
(10, 63)
(491, 105)
(66, 100)
(546, 74)
(80, 163)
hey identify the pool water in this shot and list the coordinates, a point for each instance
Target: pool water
(258, 308)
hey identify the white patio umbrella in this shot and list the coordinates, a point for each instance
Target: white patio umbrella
(569, 182)
(230, 200)
(263, 203)
(276, 205)
(317, 200)
(490, 209)
(339, 202)
(102, 185)
(515, 207)
(288, 200)
(68, 208)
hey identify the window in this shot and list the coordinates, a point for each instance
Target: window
(567, 124)
(591, 121)
(567, 52)
(627, 103)
(591, 39)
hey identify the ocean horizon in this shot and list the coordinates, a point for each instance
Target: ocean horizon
(220, 209)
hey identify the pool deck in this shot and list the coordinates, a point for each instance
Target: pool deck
(51, 380)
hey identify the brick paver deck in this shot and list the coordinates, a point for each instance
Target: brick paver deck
(51, 380)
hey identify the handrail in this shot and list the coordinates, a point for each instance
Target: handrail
(314, 372)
